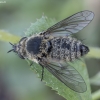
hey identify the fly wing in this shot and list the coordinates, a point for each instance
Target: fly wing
(67, 75)
(72, 24)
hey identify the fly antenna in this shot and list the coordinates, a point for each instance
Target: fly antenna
(10, 50)
(11, 44)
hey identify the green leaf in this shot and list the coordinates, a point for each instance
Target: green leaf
(40, 25)
(63, 90)
(49, 79)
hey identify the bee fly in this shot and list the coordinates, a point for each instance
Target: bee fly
(54, 48)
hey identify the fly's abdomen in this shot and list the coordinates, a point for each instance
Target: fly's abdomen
(67, 48)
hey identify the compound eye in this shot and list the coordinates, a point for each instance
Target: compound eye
(22, 39)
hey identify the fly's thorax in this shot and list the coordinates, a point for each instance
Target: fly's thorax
(32, 47)
(36, 47)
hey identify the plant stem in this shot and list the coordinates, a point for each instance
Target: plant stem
(96, 95)
(94, 53)
(7, 37)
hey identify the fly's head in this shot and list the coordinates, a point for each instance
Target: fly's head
(19, 48)
(84, 49)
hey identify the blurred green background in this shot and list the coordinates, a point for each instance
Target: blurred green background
(17, 81)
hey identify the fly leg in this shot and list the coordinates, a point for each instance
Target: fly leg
(42, 73)
(31, 63)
